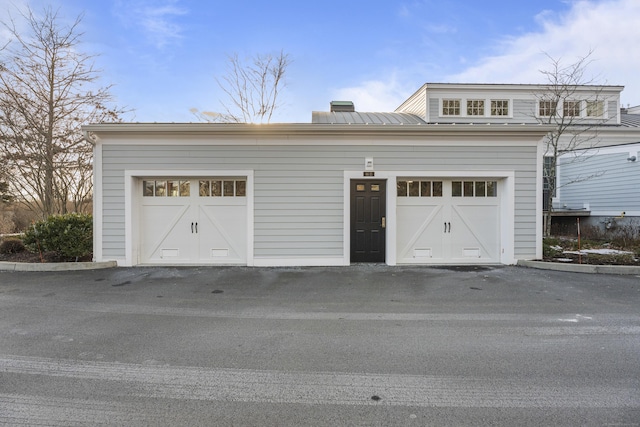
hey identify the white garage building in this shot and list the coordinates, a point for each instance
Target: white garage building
(385, 188)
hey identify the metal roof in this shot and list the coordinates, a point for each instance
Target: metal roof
(357, 117)
(630, 120)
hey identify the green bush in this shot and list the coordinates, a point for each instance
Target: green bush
(11, 246)
(68, 236)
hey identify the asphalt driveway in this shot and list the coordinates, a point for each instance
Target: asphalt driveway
(359, 345)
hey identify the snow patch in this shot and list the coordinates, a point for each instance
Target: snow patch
(598, 251)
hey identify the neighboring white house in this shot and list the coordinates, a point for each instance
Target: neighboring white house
(603, 183)
(385, 188)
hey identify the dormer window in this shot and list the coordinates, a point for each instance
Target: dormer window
(450, 107)
(499, 107)
(475, 107)
(547, 108)
(571, 108)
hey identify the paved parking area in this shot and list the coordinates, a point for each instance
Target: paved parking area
(359, 345)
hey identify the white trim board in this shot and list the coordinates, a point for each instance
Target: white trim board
(98, 205)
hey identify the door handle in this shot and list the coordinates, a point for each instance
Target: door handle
(196, 228)
(448, 223)
(447, 227)
(191, 228)
(384, 222)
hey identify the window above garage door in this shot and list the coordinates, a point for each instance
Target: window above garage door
(474, 188)
(217, 187)
(407, 187)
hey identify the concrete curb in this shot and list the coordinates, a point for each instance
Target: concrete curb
(582, 268)
(55, 266)
(555, 266)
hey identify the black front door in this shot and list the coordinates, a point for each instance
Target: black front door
(368, 220)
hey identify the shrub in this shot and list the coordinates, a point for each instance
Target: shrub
(68, 236)
(550, 247)
(627, 236)
(11, 246)
(610, 259)
(6, 221)
(592, 232)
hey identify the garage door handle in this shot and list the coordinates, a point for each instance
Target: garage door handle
(449, 224)
(196, 228)
(447, 230)
(191, 228)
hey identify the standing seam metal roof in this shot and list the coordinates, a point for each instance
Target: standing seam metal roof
(630, 120)
(357, 117)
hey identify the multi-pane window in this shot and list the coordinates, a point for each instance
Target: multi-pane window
(547, 108)
(418, 188)
(165, 188)
(595, 108)
(571, 108)
(475, 107)
(450, 107)
(499, 107)
(222, 188)
(474, 188)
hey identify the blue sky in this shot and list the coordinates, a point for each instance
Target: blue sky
(163, 56)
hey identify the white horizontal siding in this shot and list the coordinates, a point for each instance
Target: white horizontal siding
(524, 110)
(416, 104)
(613, 187)
(613, 112)
(298, 190)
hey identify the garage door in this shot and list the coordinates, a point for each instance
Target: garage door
(448, 221)
(193, 221)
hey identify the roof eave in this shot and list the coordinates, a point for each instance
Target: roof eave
(254, 130)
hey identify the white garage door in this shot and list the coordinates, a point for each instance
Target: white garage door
(448, 221)
(193, 221)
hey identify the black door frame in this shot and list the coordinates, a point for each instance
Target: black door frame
(368, 233)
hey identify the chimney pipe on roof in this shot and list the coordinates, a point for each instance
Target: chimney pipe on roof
(342, 107)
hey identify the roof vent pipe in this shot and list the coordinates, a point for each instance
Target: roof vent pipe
(342, 107)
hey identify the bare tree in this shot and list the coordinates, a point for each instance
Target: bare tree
(563, 103)
(252, 89)
(5, 192)
(48, 89)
